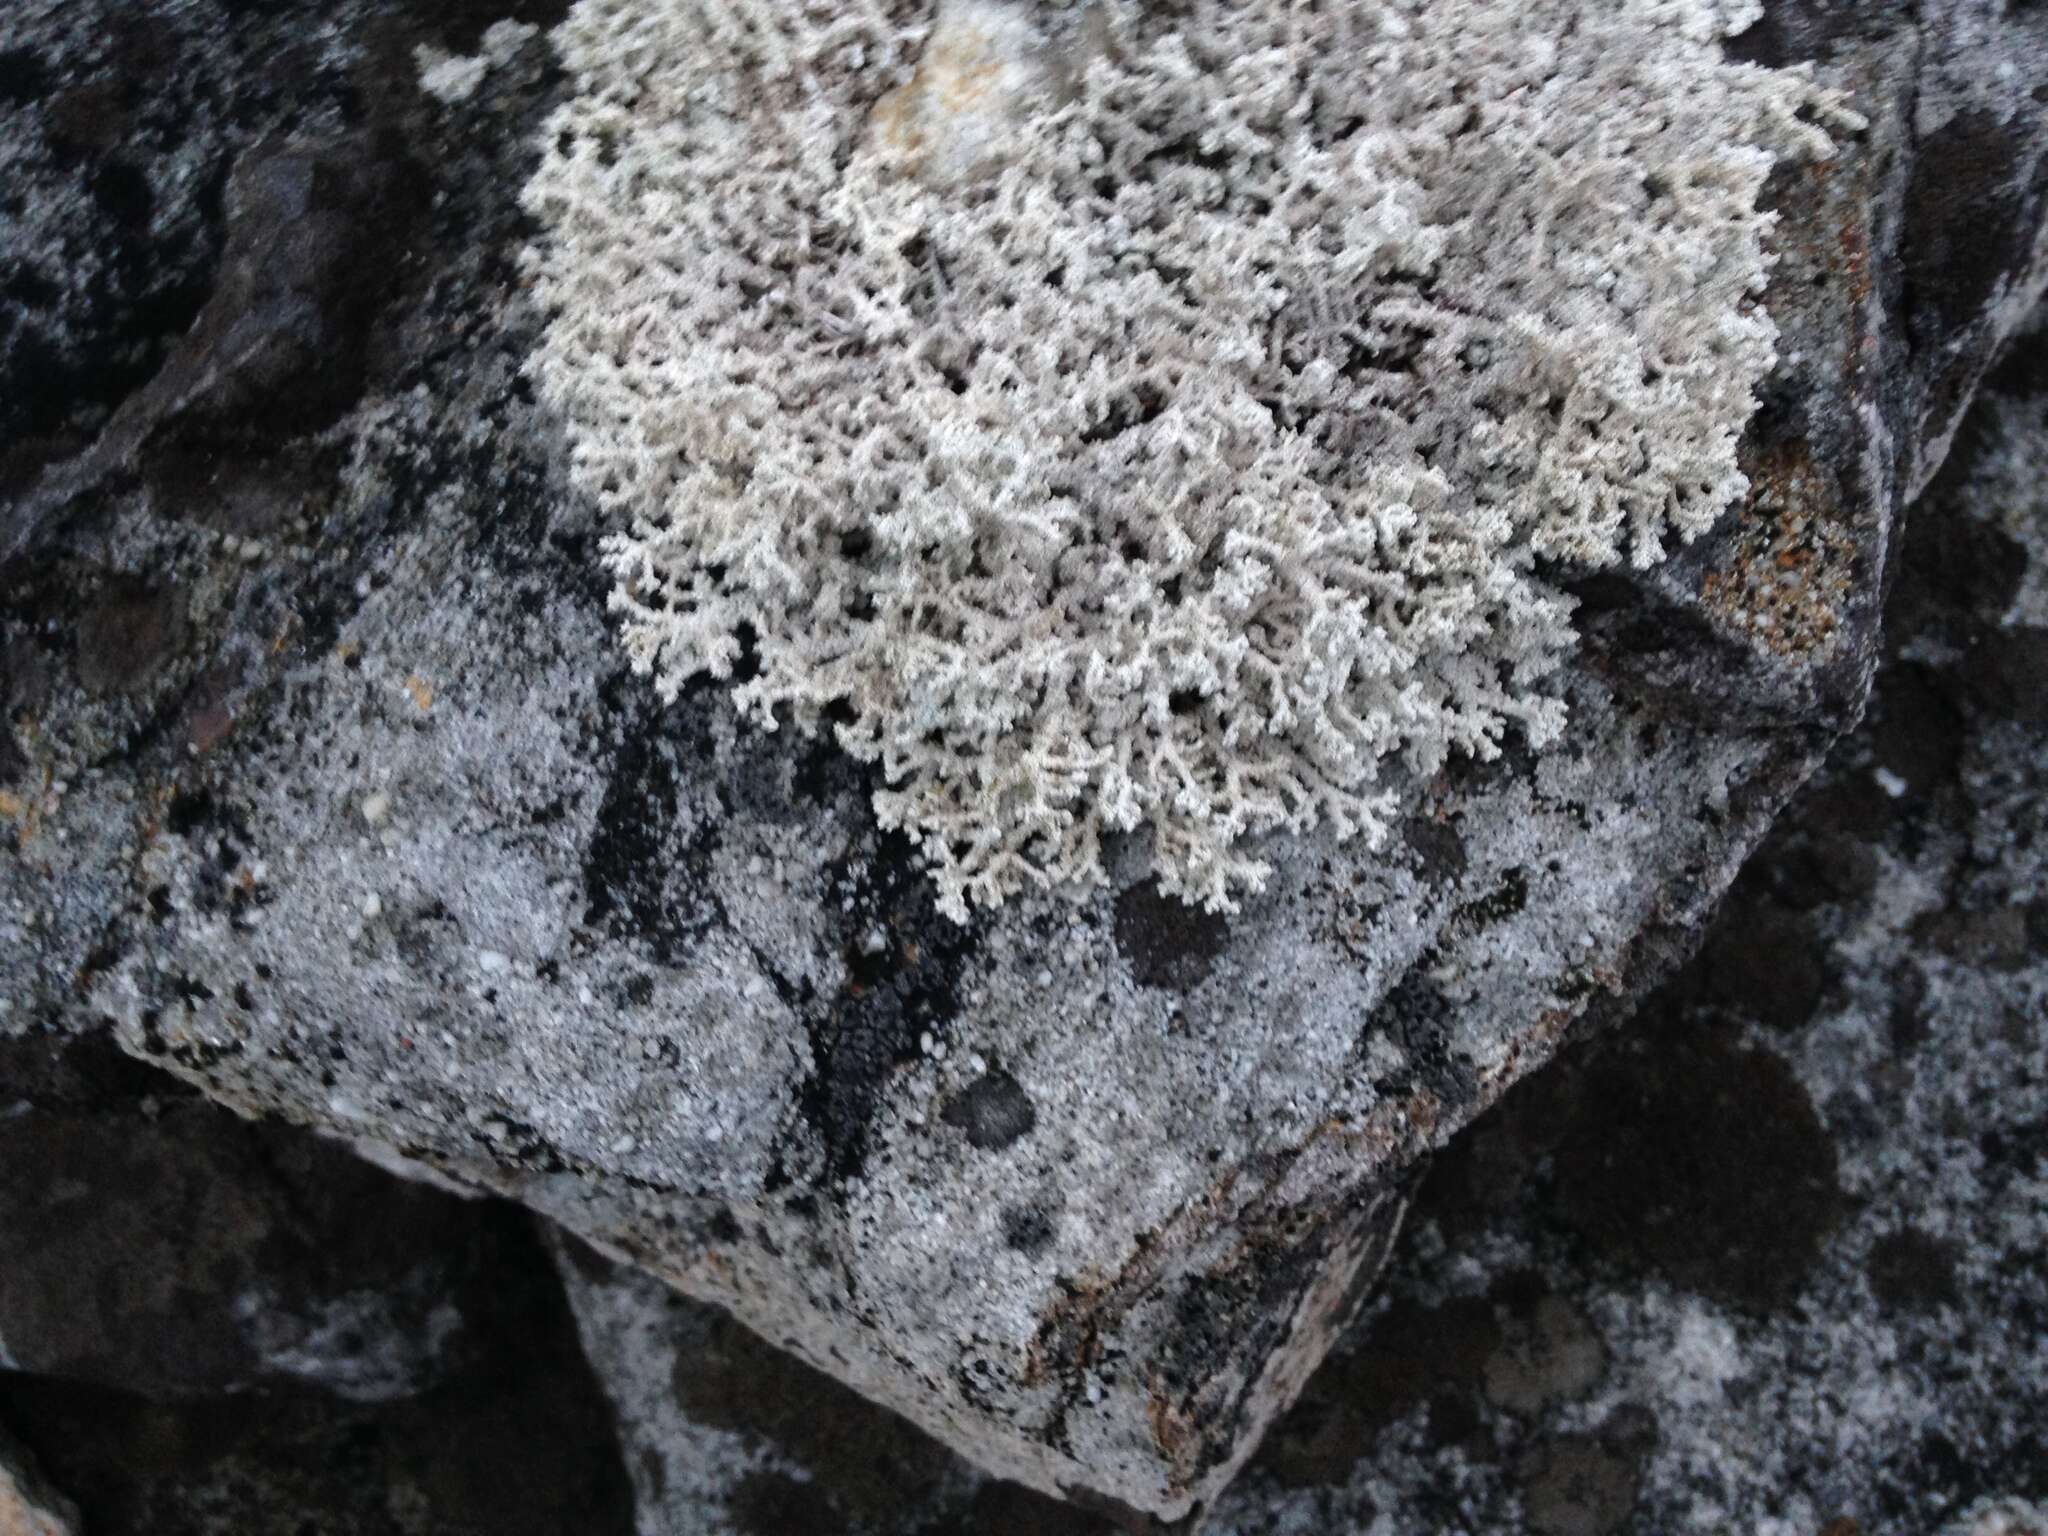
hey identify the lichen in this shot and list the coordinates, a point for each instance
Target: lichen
(1110, 417)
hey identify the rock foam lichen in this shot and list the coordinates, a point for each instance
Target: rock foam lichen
(1166, 418)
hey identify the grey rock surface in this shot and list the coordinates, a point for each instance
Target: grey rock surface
(210, 1328)
(725, 1435)
(155, 1243)
(329, 791)
(1771, 1260)
(29, 1506)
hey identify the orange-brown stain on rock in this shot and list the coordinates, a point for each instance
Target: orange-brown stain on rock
(1792, 568)
(955, 76)
(1173, 1431)
(954, 117)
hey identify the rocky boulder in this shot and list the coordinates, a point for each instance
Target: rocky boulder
(328, 790)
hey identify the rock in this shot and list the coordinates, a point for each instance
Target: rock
(725, 1435)
(1827, 1295)
(157, 1244)
(2001, 1517)
(1084, 1191)
(516, 1441)
(29, 1506)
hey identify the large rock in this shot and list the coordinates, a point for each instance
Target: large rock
(1770, 1259)
(516, 1440)
(1766, 1261)
(152, 1242)
(329, 789)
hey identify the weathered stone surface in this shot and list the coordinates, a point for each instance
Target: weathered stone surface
(517, 1441)
(326, 786)
(28, 1505)
(725, 1435)
(1830, 1303)
(1827, 1317)
(155, 1243)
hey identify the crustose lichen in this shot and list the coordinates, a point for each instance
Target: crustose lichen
(1148, 416)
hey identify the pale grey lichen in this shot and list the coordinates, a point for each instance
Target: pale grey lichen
(1112, 416)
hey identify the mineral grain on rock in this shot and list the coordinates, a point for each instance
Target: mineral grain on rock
(327, 784)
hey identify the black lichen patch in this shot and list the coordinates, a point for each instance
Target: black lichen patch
(1952, 568)
(460, 24)
(1509, 896)
(646, 872)
(1916, 728)
(1706, 1160)
(1028, 1229)
(1761, 961)
(2008, 674)
(1241, 1308)
(221, 829)
(1966, 222)
(24, 79)
(994, 1111)
(1417, 1019)
(1793, 32)
(903, 962)
(1438, 849)
(1168, 944)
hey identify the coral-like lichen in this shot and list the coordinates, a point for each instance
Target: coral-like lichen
(1112, 416)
